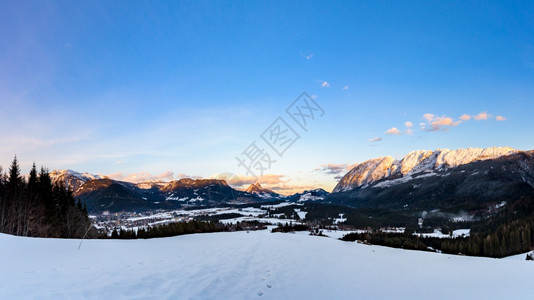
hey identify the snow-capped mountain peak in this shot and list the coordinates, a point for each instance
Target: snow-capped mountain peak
(366, 172)
(418, 161)
(257, 188)
(72, 179)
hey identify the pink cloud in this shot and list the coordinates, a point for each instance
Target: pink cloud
(481, 116)
(465, 117)
(437, 123)
(142, 176)
(428, 117)
(393, 131)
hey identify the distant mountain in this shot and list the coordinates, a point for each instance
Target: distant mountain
(309, 195)
(113, 195)
(205, 192)
(472, 180)
(422, 162)
(71, 178)
(100, 194)
(265, 193)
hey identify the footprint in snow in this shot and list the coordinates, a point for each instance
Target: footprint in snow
(269, 286)
(260, 293)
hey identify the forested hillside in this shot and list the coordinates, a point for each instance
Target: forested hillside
(36, 207)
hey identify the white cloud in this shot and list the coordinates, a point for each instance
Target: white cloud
(442, 123)
(345, 87)
(428, 117)
(437, 123)
(325, 84)
(275, 182)
(309, 56)
(376, 139)
(243, 181)
(465, 117)
(481, 116)
(237, 181)
(393, 131)
(408, 124)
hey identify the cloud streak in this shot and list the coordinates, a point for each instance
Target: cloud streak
(433, 122)
(333, 169)
(338, 170)
(142, 176)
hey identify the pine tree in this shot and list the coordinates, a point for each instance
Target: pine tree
(2, 199)
(31, 203)
(11, 213)
(45, 191)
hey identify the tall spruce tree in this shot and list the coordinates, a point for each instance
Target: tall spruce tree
(14, 190)
(33, 210)
(2, 199)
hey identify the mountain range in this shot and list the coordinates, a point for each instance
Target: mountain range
(104, 194)
(470, 181)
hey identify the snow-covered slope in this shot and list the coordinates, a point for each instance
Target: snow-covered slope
(419, 161)
(255, 265)
(312, 195)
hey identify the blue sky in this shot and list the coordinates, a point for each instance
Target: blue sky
(172, 89)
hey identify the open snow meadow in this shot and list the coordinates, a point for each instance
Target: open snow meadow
(255, 265)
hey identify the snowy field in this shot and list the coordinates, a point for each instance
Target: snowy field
(255, 265)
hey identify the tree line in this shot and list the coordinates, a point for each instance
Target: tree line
(38, 208)
(166, 230)
(181, 228)
(508, 237)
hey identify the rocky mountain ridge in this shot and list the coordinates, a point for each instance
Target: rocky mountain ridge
(416, 162)
(466, 181)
